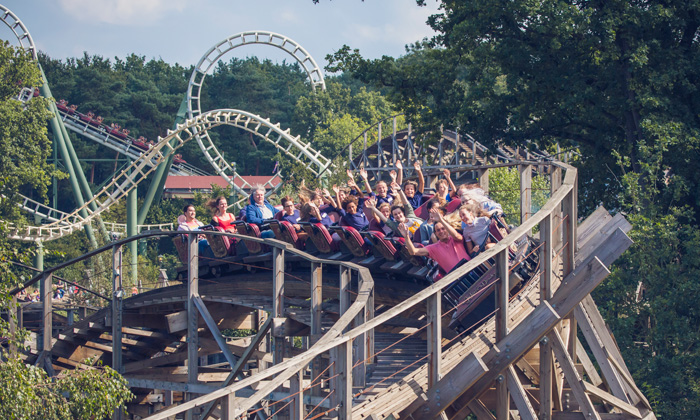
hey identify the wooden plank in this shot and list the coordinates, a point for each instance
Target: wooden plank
(630, 382)
(592, 224)
(613, 351)
(525, 192)
(480, 410)
(607, 247)
(546, 380)
(572, 376)
(612, 400)
(225, 315)
(192, 318)
(450, 387)
(520, 398)
(588, 366)
(609, 374)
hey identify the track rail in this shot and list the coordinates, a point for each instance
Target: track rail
(124, 146)
(282, 139)
(18, 28)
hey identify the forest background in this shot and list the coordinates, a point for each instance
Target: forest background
(613, 82)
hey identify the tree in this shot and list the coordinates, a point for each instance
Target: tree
(617, 82)
(588, 75)
(27, 391)
(23, 130)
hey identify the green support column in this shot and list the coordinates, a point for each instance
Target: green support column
(58, 138)
(60, 130)
(155, 190)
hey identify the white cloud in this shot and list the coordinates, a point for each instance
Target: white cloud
(121, 12)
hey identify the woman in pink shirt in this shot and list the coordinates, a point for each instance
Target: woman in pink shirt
(448, 251)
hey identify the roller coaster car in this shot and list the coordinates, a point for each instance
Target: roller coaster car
(221, 246)
(178, 159)
(284, 231)
(181, 246)
(62, 105)
(419, 265)
(252, 230)
(422, 210)
(140, 143)
(86, 117)
(321, 240)
(384, 248)
(352, 239)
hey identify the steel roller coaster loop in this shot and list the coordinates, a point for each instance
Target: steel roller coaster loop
(282, 139)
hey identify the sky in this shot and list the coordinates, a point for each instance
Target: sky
(181, 31)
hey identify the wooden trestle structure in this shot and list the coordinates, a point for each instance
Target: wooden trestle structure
(370, 346)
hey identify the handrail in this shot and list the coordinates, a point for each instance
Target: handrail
(330, 341)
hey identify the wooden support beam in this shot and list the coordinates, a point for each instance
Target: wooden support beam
(609, 374)
(484, 179)
(434, 337)
(296, 408)
(502, 294)
(316, 327)
(520, 398)
(546, 380)
(572, 376)
(46, 317)
(117, 297)
(192, 317)
(588, 366)
(572, 290)
(343, 389)
(569, 214)
(220, 340)
(613, 352)
(359, 352)
(612, 400)
(525, 192)
(344, 286)
(278, 343)
(245, 357)
(555, 182)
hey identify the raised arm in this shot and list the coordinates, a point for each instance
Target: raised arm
(422, 252)
(421, 179)
(328, 198)
(407, 208)
(453, 233)
(447, 173)
(371, 203)
(363, 175)
(399, 166)
(353, 185)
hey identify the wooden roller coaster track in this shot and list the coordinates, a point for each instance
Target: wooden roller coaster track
(336, 339)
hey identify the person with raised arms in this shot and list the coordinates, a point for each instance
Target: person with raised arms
(447, 252)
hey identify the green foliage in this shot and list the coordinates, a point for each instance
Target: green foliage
(28, 392)
(504, 188)
(615, 81)
(23, 130)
